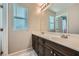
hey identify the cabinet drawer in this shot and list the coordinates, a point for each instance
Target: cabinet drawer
(51, 44)
(41, 41)
(48, 51)
(61, 49)
(56, 53)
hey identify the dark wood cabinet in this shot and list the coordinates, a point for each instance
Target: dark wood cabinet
(41, 50)
(35, 43)
(56, 53)
(48, 51)
(44, 47)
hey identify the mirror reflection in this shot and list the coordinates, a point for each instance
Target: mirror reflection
(61, 18)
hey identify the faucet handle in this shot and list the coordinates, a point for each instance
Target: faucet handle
(64, 36)
(42, 32)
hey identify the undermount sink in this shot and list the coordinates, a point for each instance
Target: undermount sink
(58, 37)
(55, 37)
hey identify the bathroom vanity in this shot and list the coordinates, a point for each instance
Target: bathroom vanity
(58, 23)
(47, 46)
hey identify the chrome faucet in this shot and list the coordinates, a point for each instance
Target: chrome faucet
(65, 36)
(42, 33)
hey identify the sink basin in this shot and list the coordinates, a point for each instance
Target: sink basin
(56, 37)
(49, 36)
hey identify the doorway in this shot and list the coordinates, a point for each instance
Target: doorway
(3, 29)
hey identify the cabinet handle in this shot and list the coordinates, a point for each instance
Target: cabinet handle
(1, 52)
(54, 54)
(51, 52)
(1, 29)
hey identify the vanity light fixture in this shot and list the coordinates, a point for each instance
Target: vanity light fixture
(44, 6)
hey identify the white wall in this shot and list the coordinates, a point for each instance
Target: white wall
(22, 39)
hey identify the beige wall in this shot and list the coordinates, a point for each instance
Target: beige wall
(45, 20)
(72, 13)
(20, 40)
(74, 19)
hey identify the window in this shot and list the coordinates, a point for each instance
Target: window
(51, 23)
(57, 24)
(64, 24)
(20, 18)
(61, 24)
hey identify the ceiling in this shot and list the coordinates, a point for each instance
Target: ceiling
(56, 7)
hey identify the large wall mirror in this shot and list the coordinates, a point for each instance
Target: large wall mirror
(61, 18)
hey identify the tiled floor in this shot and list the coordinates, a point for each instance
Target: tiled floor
(28, 53)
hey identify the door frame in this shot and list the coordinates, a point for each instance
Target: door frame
(5, 30)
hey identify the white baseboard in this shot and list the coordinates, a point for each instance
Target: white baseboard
(19, 52)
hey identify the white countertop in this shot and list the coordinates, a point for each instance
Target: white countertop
(72, 41)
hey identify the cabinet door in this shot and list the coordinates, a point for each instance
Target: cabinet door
(41, 50)
(56, 53)
(35, 43)
(48, 51)
(37, 47)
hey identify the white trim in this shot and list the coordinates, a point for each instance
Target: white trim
(19, 52)
(5, 31)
